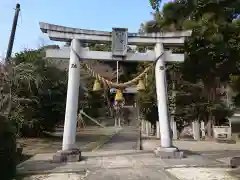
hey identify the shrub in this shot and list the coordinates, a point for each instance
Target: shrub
(7, 150)
(7, 130)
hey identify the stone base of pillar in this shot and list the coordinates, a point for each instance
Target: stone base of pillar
(235, 162)
(169, 153)
(73, 155)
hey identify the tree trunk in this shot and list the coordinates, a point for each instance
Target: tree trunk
(210, 125)
(211, 119)
(108, 100)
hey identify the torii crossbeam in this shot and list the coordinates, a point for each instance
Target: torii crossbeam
(120, 38)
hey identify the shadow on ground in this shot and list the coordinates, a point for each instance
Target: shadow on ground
(23, 158)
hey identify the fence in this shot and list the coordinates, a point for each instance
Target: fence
(197, 130)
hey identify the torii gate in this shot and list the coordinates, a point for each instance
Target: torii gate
(120, 38)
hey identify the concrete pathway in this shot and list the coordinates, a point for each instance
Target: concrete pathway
(118, 159)
(209, 149)
(126, 139)
(195, 146)
(126, 164)
(212, 150)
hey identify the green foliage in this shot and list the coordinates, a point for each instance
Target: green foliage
(236, 100)
(235, 82)
(147, 98)
(38, 91)
(155, 4)
(7, 150)
(212, 56)
(235, 85)
(7, 130)
(212, 53)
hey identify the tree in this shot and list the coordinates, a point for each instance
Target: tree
(235, 85)
(147, 98)
(217, 38)
(155, 4)
(213, 46)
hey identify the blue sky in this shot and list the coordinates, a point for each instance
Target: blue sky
(86, 14)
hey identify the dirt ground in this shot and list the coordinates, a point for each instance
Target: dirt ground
(86, 140)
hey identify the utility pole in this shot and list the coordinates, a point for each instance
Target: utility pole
(12, 36)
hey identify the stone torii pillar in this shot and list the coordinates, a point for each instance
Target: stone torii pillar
(120, 38)
(161, 89)
(70, 122)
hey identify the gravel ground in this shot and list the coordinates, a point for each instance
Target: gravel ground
(200, 173)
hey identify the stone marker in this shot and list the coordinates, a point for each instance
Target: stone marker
(72, 155)
(169, 153)
(235, 162)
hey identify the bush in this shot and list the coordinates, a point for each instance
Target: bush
(38, 90)
(7, 150)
